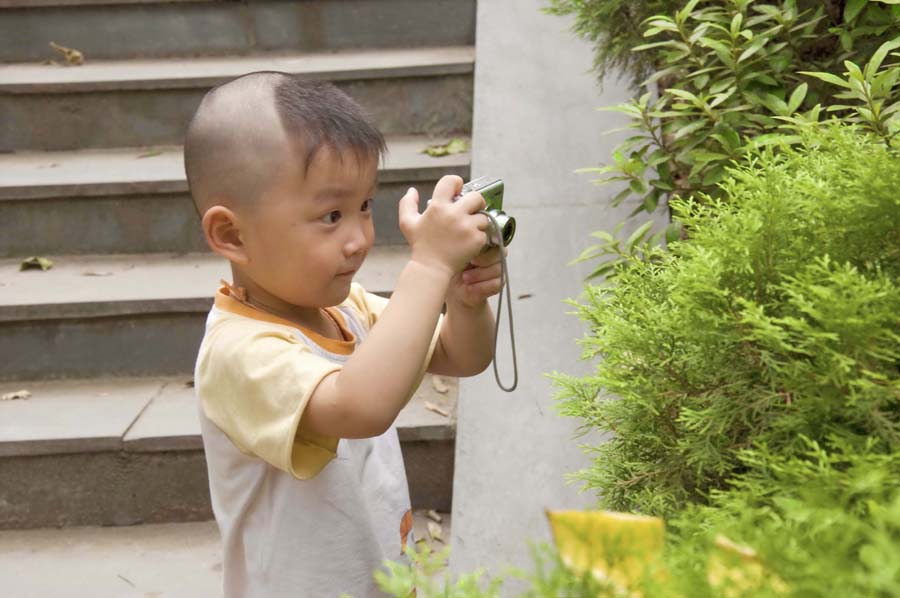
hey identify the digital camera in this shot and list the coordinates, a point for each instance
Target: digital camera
(491, 190)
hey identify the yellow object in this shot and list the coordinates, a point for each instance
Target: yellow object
(735, 570)
(71, 55)
(617, 547)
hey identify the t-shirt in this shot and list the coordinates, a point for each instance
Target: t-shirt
(299, 515)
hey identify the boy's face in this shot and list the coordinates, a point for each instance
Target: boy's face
(310, 232)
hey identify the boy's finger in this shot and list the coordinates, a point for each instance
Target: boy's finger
(484, 288)
(447, 188)
(488, 258)
(479, 274)
(408, 208)
(473, 203)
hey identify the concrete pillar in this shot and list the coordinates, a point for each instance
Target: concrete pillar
(535, 123)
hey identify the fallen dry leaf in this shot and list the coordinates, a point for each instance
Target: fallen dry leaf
(439, 410)
(439, 385)
(36, 263)
(150, 154)
(454, 146)
(526, 296)
(72, 56)
(16, 394)
(435, 531)
(434, 516)
(92, 273)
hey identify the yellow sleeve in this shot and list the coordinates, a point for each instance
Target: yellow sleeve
(368, 305)
(254, 382)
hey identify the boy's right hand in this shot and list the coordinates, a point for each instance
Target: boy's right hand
(448, 234)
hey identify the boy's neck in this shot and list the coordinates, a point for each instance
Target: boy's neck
(315, 319)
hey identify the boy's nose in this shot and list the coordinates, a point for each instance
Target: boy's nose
(358, 240)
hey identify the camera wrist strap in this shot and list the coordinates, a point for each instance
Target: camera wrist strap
(496, 234)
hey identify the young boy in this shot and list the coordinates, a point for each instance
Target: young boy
(301, 372)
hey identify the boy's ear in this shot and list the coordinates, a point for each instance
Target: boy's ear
(222, 230)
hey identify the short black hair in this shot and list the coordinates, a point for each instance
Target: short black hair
(318, 114)
(227, 142)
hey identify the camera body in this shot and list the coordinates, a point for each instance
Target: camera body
(491, 189)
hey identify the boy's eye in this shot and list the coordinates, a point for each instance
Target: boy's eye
(367, 205)
(331, 217)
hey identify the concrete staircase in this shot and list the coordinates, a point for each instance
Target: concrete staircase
(91, 177)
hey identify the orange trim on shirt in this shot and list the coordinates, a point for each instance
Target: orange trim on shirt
(226, 302)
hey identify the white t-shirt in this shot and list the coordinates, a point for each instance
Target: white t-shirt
(299, 516)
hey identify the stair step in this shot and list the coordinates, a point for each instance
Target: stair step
(141, 28)
(120, 171)
(55, 445)
(138, 315)
(147, 74)
(149, 102)
(135, 200)
(174, 560)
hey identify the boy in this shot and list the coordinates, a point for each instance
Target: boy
(301, 373)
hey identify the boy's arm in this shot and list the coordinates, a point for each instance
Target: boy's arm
(466, 343)
(363, 398)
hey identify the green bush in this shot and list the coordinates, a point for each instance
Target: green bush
(614, 27)
(723, 78)
(778, 320)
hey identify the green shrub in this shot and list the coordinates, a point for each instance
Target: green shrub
(778, 320)
(614, 27)
(725, 77)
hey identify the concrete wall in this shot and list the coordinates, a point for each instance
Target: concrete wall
(535, 122)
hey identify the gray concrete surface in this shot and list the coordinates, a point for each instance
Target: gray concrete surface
(535, 123)
(181, 560)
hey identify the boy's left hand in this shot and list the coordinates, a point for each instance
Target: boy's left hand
(481, 279)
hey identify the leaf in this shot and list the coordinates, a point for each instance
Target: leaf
(880, 54)
(715, 175)
(438, 384)
(150, 154)
(72, 57)
(454, 146)
(853, 8)
(439, 410)
(884, 82)
(637, 235)
(775, 104)
(854, 71)
(797, 97)
(435, 531)
(614, 546)
(828, 78)
(673, 232)
(703, 156)
(687, 130)
(16, 394)
(36, 263)
(753, 48)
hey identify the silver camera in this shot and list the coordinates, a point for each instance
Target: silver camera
(491, 190)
